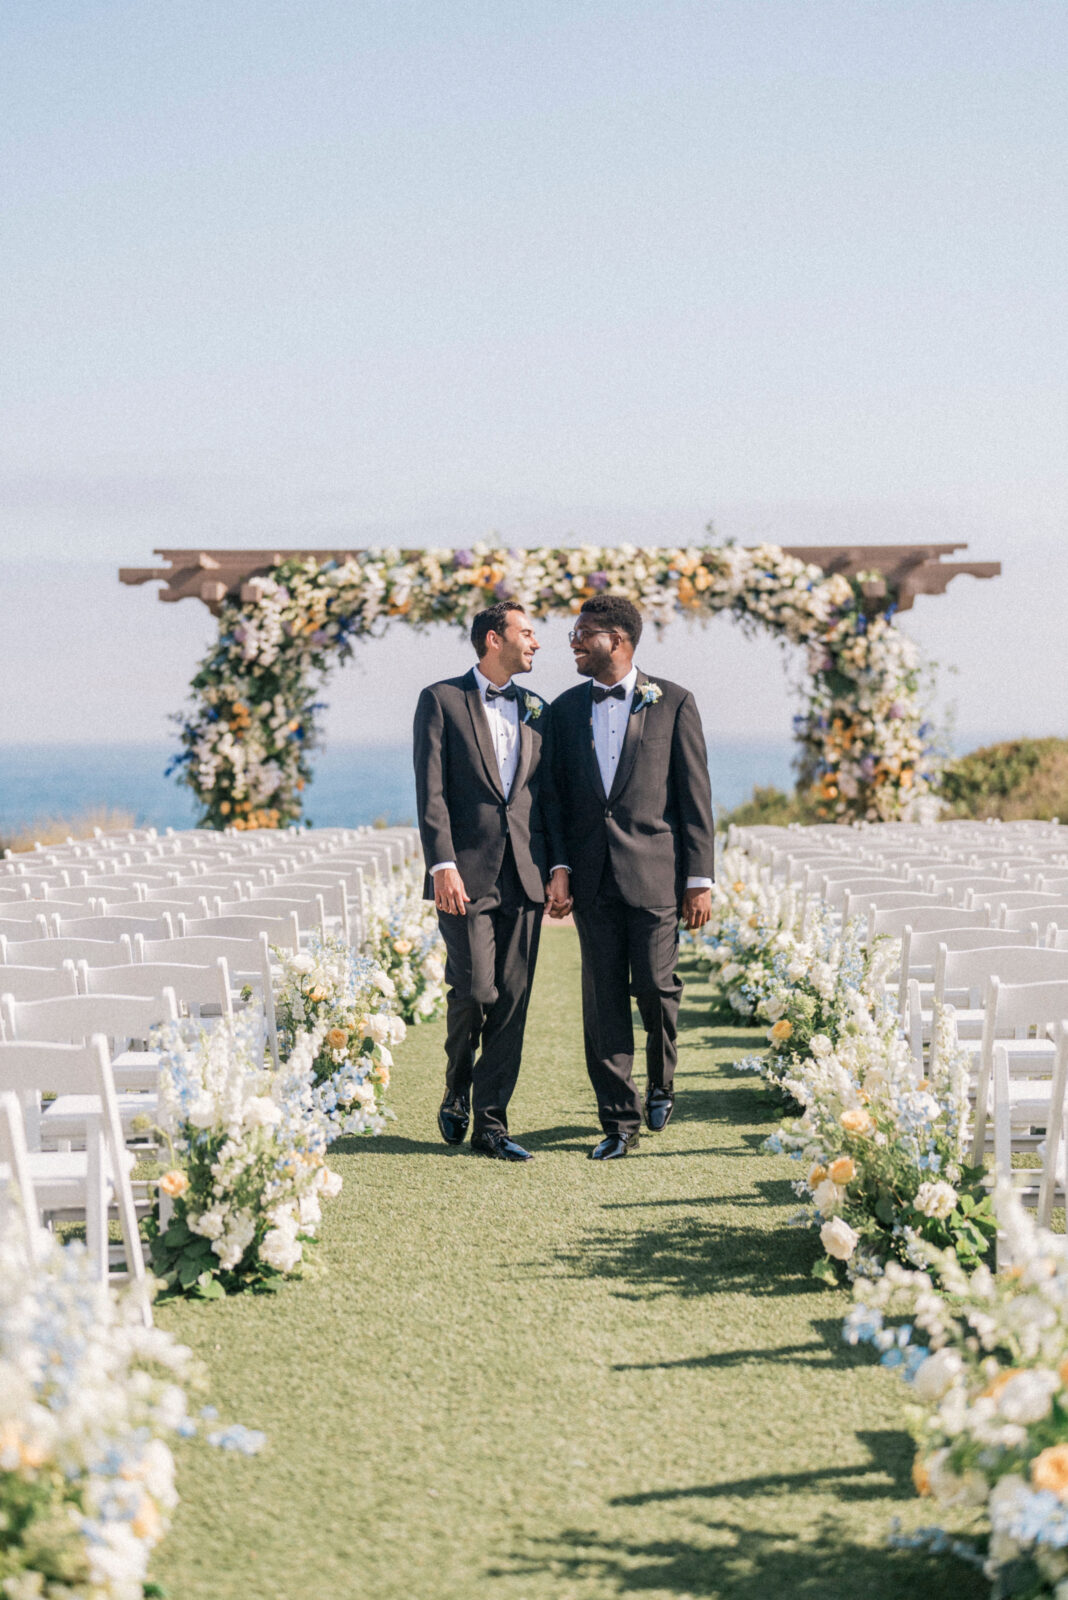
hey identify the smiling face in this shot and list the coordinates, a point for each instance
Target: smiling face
(517, 644)
(592, 648)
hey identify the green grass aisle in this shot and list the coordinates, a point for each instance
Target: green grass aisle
(563, 1381)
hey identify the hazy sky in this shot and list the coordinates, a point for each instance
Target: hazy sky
(321, 272)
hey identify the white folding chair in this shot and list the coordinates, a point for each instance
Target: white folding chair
(79, 1181)
(197, 987)
(1053, 1159)
(113, 927)
(962, 976)
(124, 1019)
(53, 952)
(281, 931)
(1018, 1017)
(16, 1182)
(38, 983)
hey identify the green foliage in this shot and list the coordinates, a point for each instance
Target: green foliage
(768, 807)
(1020, 778)
(188, 1267)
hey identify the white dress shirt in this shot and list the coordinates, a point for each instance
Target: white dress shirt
(610, 719)
(503, 718)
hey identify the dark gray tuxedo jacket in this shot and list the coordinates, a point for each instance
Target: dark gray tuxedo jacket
(656, 825)
(464, 814)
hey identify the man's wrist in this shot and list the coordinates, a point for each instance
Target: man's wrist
(559, 868)
(698, 883)
(443, 866)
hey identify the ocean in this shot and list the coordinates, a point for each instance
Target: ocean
(352, 784)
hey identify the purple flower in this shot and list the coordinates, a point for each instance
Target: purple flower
(867, 765)
(502, 590)
(463, 558)
(240, 634)
(897, 711)
(598, 580)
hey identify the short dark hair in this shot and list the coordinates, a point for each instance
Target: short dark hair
(616, 612)
(493, 620)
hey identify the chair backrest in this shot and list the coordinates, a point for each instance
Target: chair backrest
(53, 952)
(1010, 964)
(194, 986)
(893, 920)
(23, 912)
(1043, 915)
(835, 892)
(281, 931)
(1019, 1006)
(113, 927)
(38, 983)
(202, 950)
(923, 946)
(71, 1018)
(1012, 898)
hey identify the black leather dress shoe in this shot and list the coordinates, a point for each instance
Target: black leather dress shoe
(614, 1145)
(453, 1118)
(659, 1104)
(500, 1146)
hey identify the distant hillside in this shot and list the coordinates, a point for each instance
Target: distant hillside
(1017, 779)
(1020, 778)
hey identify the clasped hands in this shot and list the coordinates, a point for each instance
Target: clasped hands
(558, 899)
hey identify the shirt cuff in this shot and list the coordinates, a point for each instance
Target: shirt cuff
(698, 883)
(559, 867)
(442, 866)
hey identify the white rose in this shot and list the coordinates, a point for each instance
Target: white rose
(209, 1224)
(329, 1183)
(839, 1239)
(379, 1027)
(302, 963)
(774, 1008)
(937, 1375)
(397, 1030)
(827, 1197)
(434, 969)
(1026, 1397)
(820, 1046)
(935, 1200)
(262, 1112)
(201, 1114)
(364, 1092)
(281, 1249)
(384, 983)
(731, 971)
(310, 1211)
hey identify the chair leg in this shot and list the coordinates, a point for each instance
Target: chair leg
(96, 1200)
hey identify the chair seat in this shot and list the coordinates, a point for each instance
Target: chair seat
(59, 1178)
(136, 1069)
(64, 1117)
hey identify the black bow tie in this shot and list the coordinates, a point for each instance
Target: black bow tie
(618, 693)
(511, 693)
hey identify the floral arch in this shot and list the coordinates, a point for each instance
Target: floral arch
(247, 739)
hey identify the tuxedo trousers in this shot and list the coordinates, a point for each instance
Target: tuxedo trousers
(627, 950)
(490, 954)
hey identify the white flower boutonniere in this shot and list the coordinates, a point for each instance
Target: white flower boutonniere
(648, 695)
(533, 705)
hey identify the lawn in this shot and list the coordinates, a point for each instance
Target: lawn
(557, 1381)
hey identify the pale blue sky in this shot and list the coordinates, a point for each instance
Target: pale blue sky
(324, 272)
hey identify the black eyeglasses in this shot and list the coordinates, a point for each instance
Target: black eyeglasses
(577, 635)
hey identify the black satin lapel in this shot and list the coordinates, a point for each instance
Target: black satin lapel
(592, 765)
(631, 739)
(526, 740)
(482, 734)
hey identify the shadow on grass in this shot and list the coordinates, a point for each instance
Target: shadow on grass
(691, 1256)
(827, 1349)
(736, 1562)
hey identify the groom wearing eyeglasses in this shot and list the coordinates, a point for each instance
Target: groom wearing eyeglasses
(632, 845)
(478, 774)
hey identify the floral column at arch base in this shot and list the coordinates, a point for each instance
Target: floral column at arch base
(863, 741)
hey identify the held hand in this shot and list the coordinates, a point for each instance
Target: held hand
(558, 894)
(449, 892)
(696, 907)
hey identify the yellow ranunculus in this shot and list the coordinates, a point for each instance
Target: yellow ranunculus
(174, 1183)
(816, 1176)
(317, 994)
(337, 1038)
(782, 1030)
(402, 947)
(1049, 1470)
(920, 1476)
(842, 1171)
(856, 1120)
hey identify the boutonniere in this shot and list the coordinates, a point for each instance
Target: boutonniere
(647, 695)
(533, 705)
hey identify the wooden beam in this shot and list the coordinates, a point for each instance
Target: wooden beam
(906, 570)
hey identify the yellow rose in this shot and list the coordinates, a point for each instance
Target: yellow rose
(148, 1524)
(1049, 1470)
(739, 887)
(754, 921)
(856, 1121)
(337, 1038)
(920, 1476)
(782, 1030)
(174, 1183)
(317, 994)
(842, 1171)
(402, 946)
(381, 1074)
(816, 1176)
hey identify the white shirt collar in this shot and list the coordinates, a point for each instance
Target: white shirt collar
(484, 683)
(626, 684)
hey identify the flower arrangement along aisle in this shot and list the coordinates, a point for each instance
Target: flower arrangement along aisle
(347, 1001)
(90, 1401)
(404, 939)
(884, 1149)
(986, 1360)
(245, 744)
(249, 1150)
